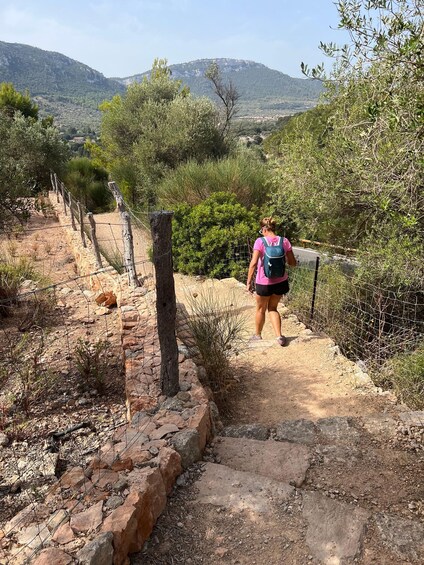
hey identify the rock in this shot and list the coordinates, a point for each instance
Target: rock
(335, 530)
(97, 552)
(4, 440)
(163, 431)
(217, 425)
(64, 534)
(404, 537)
(297, 431)
(184, 350)
(132, 523)
(122, 464)
(140, 291)
(415, 419)
(120, 485)
(252, 431)
(34, 536)
(337, 429)
(57, 519)
(169, 466)
(173, 404)
(185, 387)
(186, 443)
(53, 555)
(88, 520)
(113, 502)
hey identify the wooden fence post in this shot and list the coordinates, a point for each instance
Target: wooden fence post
(81, 221)
(74, 227)
(56, 183)
(314, 292)
(166, 308)
(63, 190)
(52, 182)
(94, 240)
(127, 236)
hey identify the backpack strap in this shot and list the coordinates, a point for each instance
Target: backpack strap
(280, 242)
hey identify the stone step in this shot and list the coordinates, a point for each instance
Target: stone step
(337, 429)
(236, 490)
(282, 461)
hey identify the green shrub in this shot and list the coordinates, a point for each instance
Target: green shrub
(212, 238)
(88, 184)
(405, 372)
(243, 175)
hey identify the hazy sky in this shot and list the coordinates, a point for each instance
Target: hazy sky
(122, 38)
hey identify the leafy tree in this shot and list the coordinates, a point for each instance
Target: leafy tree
(88, 183)
(211, 238)
(30, 149)
(359, 176)
(155, 127)
(12, 101)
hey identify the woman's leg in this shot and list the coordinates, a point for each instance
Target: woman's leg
(274, 315)
(261, 308)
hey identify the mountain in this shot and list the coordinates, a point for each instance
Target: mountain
(263, 91)
(72, 91)
(63, 87)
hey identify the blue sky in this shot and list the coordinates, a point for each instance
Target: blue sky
(122, 38)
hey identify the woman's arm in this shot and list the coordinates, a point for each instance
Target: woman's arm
(252, 267)
(291, 259)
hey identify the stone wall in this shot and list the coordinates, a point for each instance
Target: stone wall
(101, 512)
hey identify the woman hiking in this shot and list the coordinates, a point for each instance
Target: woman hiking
(270, 255)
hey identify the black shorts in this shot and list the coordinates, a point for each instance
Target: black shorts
(270, 289)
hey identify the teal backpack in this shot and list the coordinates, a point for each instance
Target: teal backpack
(274, 259)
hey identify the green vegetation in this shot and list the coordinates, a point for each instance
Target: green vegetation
(62, 87)
(88, 184)
(13, 272)
(30, 149)
(24, 362)
(151, 130)
(242, 174)
(351, 170)
(211, 238)
(405, 374)
(217, 327)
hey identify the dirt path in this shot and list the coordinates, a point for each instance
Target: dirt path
(359, 498)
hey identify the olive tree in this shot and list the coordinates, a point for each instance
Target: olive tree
(153, 128)
(29, 150)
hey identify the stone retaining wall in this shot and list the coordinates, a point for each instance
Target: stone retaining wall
(101, 512)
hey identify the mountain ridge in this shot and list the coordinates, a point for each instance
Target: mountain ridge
(71, 91)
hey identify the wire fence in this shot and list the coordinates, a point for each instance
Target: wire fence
(62, 400)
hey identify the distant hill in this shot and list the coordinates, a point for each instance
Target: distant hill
(63, 87)
(72, 91)
(263, 91)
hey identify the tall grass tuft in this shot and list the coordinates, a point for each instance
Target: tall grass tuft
(13, 272)
(243, 175)
(217, 326)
